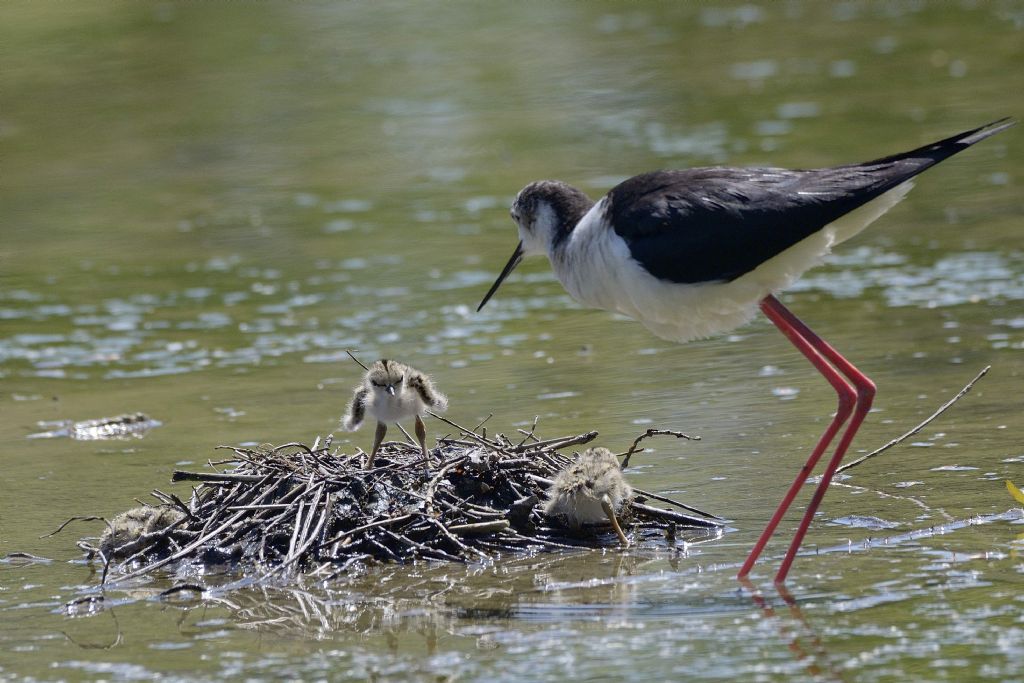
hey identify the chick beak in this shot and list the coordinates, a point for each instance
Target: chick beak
(391, 389)
(517, 256)
(606, 505)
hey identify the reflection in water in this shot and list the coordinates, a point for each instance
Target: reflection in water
(521, 604)
(541, 603)
(460, 600)
(814, 657)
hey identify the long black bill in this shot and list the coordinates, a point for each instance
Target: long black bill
(517, 256)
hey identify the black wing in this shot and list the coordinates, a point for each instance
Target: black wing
(421, 386)
(714, 224)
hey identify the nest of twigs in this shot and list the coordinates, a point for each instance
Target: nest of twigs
(316, 509)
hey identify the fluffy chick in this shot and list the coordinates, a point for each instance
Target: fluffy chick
(120, 539)
(389, 392)
(590, 491)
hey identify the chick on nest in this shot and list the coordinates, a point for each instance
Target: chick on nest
(389, 392)
(120, 538)
(589, 491)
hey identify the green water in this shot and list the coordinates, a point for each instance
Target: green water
(203, 205)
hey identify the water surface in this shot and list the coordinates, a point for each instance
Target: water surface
(203, 206)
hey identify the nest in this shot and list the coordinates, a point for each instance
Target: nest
(314, 509)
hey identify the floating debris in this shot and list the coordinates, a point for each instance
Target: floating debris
(865, 522)
(131, 425)
(318, 510)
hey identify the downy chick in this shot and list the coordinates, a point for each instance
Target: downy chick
(389, 392)
(590, 491)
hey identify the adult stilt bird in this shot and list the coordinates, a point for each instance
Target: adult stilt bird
(696, 252)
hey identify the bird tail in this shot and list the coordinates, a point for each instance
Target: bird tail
(935, 152)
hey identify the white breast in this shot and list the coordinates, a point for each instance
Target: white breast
(402, 406)
(596, 268)
(582, 509)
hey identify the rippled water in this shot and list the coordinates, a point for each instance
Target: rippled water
(204, 206)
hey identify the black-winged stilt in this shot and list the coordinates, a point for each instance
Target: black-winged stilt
(390, 392)
(692, 253)
(590, 490)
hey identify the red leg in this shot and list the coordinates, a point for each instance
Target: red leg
(865, 395)
(847, 397)
(855, 399)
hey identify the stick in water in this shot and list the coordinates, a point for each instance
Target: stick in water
(919, 427)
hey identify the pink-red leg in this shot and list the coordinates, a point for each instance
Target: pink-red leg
(855, 397)
(865, 395)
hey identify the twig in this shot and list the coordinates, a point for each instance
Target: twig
(363, 557)
(28, 557)
(193, 545)
(353, 357)
(300, 552)
(479, 527)
(303, 447)
(459, 544)
(471, 434)
(422, 548)
(919, 427)
(555, 444)
(654, 432)
(527, 435)
(80, 518)
(481, 422)
(295, 532)
(372, 525)
(432, 485)
(180, 504)
(663, 499)
(181, 475)
(674, 516)
(408, 436)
